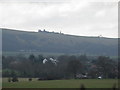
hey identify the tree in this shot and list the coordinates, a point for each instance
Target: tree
(83, 58)
(74, 66)
(40, 58)
(105, 66)
(32, 58)
(119, 67)
(85, 62)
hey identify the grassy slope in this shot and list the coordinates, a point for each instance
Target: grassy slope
(89, 83)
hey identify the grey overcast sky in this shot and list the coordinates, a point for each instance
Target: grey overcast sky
(76, 17)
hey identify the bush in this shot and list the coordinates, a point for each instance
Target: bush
(40, 79)
(30, 79)
(14, 79)
(9, 80)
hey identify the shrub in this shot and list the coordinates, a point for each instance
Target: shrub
(30, 79)
(9, 79)
(14, 79)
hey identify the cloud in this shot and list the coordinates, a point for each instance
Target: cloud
(80, 17)
(100, 13)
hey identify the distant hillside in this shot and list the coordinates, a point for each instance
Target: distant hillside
(15, 41)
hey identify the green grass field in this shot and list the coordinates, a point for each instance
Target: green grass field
(88, 83)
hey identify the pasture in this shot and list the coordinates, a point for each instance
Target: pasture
(73, 83)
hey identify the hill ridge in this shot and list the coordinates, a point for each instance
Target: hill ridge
(18, 30)
(14, 40)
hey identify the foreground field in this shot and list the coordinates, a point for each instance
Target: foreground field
(88, 83)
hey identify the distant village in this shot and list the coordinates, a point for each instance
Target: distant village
(45, 31)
